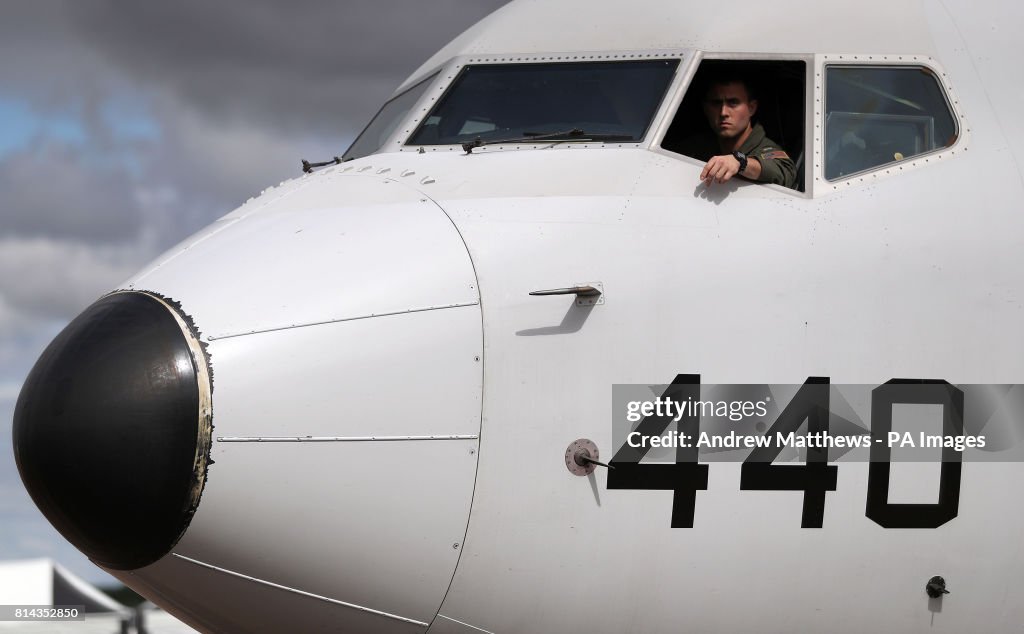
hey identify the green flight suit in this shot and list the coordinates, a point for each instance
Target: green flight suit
(776, 166)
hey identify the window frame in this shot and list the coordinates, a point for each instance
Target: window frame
(426, 80)
(451, 70)
(821, 65)
(683, 87)
(652, 120)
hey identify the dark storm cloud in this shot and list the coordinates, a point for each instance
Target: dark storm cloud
(44, 60)
(298, 65)
(238, 90)
(53, 190)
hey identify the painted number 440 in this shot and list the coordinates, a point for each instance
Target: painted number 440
(816, 476)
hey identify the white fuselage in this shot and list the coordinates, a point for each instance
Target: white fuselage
(391, 406)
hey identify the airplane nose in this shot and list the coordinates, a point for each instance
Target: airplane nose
(112, 429)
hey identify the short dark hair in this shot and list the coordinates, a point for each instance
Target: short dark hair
(727, 71)
(730, 76)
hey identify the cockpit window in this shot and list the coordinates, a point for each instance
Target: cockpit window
(596, 100)
(884, 114)
(383, 125)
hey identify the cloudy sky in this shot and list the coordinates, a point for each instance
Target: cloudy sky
(125, 126)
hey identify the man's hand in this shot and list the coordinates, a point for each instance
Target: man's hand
(722, 168)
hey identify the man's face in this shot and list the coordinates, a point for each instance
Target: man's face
(729, 109)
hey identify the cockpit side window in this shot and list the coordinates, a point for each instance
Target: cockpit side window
(880, 115)
(600, 101)
(776, 93)
(387, 119)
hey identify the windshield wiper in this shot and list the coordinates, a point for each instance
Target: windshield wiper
(575, 134)
(307, 167)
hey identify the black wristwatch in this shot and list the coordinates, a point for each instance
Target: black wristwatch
(742, 158)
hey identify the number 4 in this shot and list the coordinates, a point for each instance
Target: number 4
(811, 403)
(685, 477)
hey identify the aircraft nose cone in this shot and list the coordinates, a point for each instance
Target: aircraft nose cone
(112, 429)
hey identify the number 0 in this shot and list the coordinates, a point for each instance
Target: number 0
(922, 392)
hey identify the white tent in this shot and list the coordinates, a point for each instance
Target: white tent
(45, 582)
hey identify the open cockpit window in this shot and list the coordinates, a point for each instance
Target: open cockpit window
(383, 125)
(598, 101)
(882, 114)
(767, 95)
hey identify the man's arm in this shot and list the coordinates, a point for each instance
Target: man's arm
(769, 165)
(774, 166)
